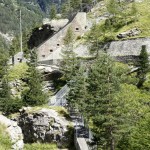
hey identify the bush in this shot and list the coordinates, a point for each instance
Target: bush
(18, 72)
(12, 106)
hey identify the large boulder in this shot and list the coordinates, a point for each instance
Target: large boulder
(44, 125)
(14, 131)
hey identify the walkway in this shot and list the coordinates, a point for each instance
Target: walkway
(82, 134)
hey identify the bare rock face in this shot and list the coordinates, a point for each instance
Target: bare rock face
(45, 125)
(14, 131)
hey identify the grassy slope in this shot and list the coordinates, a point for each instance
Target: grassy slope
(142, 23)
(39, 146)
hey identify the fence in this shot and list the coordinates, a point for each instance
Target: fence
(59, 99)
(82, 133)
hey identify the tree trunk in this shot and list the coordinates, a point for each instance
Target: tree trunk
(13, 60)
(112, 141)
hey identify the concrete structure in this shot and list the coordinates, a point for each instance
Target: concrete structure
(18, 58)
(55, 24)
(127, 47)
(55, 43)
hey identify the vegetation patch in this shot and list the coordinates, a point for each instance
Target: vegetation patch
(5, 143)
(18, 72)
(40, 146)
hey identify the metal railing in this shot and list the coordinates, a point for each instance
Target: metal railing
(81, 128)
(59, 99)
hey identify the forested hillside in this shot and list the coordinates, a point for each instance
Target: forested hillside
(106, 100)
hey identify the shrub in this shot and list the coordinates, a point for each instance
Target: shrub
(18, 71)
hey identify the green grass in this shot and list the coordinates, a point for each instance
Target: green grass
(104, 33)
(143, 22)
(5, 143)
(60, 110)
(18, 71)
(40, 146)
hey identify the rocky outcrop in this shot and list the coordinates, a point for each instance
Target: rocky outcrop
(44, 125)
(130, 33)
(14, 131)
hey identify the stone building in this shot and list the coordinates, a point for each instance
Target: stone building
(50, 50)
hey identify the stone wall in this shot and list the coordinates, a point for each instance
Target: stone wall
(127, 47)
(54, 43)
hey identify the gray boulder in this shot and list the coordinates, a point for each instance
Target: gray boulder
(44, 125)
(14, 131)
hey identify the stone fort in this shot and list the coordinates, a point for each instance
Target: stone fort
(50, 50)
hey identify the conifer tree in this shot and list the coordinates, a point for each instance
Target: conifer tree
(76, 4)
(53, 11)
(103, 84)
(3, 71)
(69, 63)
(34, 95)
(143, 65)
(5, 98)
(77, 93)
(14, 48)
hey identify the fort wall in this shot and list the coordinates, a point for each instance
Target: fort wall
(78, 25)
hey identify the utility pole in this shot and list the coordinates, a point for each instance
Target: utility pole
(20, 32)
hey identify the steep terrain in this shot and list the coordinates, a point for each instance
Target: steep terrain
(33, 11)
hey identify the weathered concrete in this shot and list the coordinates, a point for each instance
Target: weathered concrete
(127, 47)
(81, 144)
(18, 58)
(78, 25)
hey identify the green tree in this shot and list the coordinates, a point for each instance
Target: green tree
(76, 4)
(65, 10)
(70, 62)
(53, 11)
(34, 95)
(7, 103)
(77, 93)
(143, 65)
(14, 48)
(103, 85)
(136, 134)
(4, 89)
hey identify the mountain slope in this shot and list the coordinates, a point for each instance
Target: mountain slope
(9, 15)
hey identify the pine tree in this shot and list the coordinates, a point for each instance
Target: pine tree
(5, 98)
(77, 93)
(66, 9)
(103, 84)
(14, 48)
(70, 62)
(53, 11)
(143, 65)
(76, 4)
(34, 95)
